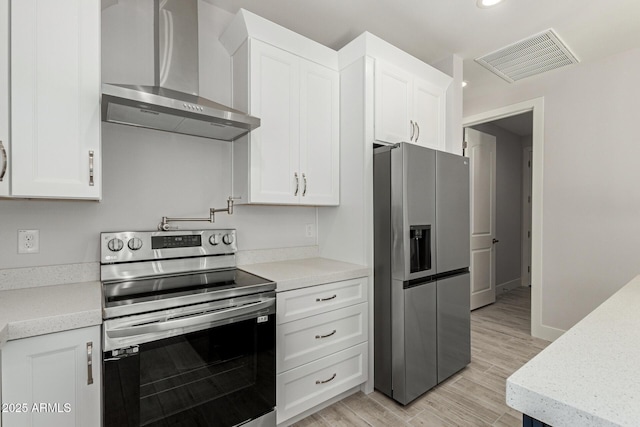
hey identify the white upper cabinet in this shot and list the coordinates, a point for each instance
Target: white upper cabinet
(393, 109)
(5, 171)
(408, 108)
(275, 145)
(319, 134)
(280, 77)
(55, 98)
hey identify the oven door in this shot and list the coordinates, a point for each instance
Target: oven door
(205, 365)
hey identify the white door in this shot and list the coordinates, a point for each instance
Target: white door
(481, 149)
(428, 114)
(392, 103)
(319, 135)
(526, 215)
(4, 100)
(275, 97)
(55, 98)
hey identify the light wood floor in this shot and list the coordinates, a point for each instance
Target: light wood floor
(500, 344)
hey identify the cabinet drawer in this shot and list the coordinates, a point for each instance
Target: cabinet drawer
(305, 302)
(309, 385)
(311, 338)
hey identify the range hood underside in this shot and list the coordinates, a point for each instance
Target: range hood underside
(172, 111)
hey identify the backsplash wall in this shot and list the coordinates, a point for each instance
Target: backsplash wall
(146, 175)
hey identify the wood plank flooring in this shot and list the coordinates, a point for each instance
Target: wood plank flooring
(500, 344)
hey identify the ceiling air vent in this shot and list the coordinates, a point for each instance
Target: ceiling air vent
(526, 58)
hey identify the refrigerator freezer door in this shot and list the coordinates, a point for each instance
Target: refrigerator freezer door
(452, 212)
(454, 339)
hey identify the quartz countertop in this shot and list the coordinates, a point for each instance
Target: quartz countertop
(590, 376)
(301, 273)
(42, 310)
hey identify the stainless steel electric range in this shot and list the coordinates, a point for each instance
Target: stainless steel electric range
(189, 339)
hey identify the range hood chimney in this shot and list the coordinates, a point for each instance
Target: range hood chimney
(173, 104)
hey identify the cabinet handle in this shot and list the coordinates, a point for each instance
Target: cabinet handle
(90, 168)
(417, 131)
(413, 130)
(319, 337)
(326, 299)
(304, 179)
(325, 381)
(297, 183)
(5, 161)
(90, 363)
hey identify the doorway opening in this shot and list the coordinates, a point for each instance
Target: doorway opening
(526, 115)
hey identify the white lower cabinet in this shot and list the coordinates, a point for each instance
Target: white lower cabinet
(300, 303)
(322, 348)
(52, 380)
(308, 339)
(311, 384)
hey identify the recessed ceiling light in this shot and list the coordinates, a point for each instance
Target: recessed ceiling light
(488, 3)
(464, 83)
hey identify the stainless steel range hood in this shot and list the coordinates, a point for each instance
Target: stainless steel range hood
(173, 104)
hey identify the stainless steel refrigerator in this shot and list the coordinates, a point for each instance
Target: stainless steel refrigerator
(421, 269)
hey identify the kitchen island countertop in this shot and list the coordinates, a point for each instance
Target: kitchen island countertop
(300, 273)
(42, 310)
(590, 376)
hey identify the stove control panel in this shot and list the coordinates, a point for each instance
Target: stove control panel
(128, 246)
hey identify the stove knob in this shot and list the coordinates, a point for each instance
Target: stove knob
(115, 244)
(134, 244)
(214, 239)
(227, 239)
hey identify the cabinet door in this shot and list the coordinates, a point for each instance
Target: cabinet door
(393, 88)
(4, 99)
(49, 377)
(319, 135)
(274, 146)
(55, 98)
(429, 114)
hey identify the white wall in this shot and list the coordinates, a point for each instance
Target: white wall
(149, 174)
(591, 206)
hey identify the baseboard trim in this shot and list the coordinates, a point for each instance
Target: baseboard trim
(548, 333)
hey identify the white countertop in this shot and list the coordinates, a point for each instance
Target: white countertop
(46, 309)
(590, 376)
(27, 312)
(300, 273)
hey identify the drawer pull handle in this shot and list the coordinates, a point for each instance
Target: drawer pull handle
(327, 335)
(326, 381)
(326, 299)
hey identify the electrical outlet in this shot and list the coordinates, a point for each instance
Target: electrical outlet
(310, 231)
(28, 241)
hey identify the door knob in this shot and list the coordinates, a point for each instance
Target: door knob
(494, 241)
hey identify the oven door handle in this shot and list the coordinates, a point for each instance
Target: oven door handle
(186, 322)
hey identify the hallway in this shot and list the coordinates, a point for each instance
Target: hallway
(475, 396)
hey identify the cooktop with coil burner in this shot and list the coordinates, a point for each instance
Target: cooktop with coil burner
(149, 271)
